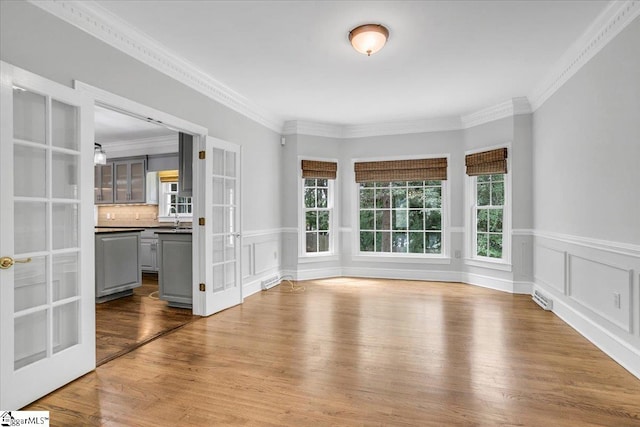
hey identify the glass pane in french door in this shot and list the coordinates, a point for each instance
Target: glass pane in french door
(46, 227)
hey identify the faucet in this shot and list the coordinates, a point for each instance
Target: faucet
(176, 218)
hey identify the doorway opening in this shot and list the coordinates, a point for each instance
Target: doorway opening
(143, 209)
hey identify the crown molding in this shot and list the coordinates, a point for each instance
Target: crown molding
(510, 108)
(613, 19)
(107, 27)
(142, 146)
(404, 127)
(302, 127)
(378, 129)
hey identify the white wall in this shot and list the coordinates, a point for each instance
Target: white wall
(586, 182)
(32, 39)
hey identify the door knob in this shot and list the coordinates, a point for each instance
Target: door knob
(7, 262)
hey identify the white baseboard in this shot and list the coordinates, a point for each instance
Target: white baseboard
(504, 285)
(620, 351)
(404, 274)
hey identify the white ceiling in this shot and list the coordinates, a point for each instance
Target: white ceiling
(293, 58)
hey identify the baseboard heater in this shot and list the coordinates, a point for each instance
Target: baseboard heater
(542, 301)
(270, 282)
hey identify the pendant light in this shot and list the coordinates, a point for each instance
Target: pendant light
(99, 156)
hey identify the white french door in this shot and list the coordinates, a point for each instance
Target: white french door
(47, 309)
(222, 239)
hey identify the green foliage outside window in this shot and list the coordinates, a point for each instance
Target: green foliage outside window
(401, 217)
(317, 215)
(489, 215)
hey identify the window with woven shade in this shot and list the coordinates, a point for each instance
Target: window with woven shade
(487, 173)
(401, 206)
(317, 207)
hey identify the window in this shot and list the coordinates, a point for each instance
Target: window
(318, 207)
(171, 204)
(489, 215)
(488, 199)
(401, 217)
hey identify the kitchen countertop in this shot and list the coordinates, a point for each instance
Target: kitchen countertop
(173, 231)
(101, 230)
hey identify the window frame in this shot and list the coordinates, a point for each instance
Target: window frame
(471, 257)
(332, 186)
(163, 214)
(405, 257)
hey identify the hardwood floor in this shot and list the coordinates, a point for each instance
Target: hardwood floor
(360, 352)
(127, 323)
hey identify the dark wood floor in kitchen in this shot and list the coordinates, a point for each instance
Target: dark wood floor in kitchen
(127, 323)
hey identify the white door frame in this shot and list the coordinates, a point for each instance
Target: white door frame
(134, 108)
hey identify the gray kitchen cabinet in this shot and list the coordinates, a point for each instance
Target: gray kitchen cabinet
(129, 178)
(175, 268)
(149, 251)
(117, 268)
(103, 183)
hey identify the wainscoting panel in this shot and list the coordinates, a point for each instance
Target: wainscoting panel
(261, 258)
(595, 288)
(550, 267)
(602, 288)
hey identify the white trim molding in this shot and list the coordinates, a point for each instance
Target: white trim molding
(605, 245)
(613, 19)
(616, 348)
(510, 108)
(137, 147)
(109, 28)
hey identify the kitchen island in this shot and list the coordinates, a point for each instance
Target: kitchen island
(175, 267)
(117, 269)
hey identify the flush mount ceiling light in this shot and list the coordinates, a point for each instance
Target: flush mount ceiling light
(99, 156)
(369, 38)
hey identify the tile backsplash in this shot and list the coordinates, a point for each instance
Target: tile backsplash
(127, 215)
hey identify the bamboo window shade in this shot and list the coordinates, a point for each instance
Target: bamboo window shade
(318, 169)
(402, 170)
(487, 162)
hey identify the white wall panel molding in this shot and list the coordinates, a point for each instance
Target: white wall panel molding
(289, 230)
(595, 284)
(107, 27)
(550, 267)
(605, 245)
(609, 24)
(522, 232)
(247, 258)
(510, 108)
(618, 349)
(266, 232)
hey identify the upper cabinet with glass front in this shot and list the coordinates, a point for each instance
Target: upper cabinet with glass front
(121, 181)
(103, 179)
(129, 181)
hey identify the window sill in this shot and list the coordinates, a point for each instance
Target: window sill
(401, 258)
(328, 257)
(487, 263)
